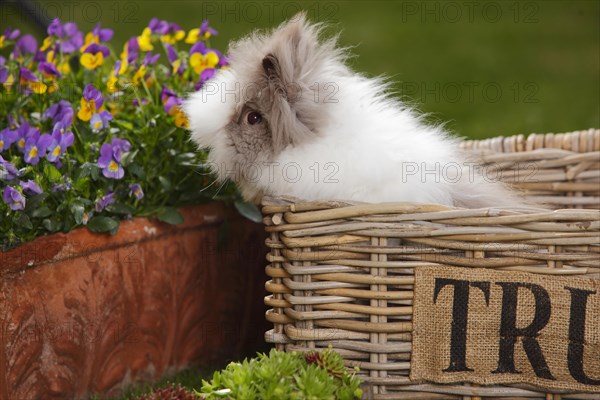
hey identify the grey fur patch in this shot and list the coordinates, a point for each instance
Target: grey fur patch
(284, 65)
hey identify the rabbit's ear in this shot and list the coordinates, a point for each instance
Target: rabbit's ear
(290, 69)
(271, 66)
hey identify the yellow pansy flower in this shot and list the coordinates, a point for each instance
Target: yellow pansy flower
(145, 40)
(46, 44)
(89, 39)
(111, 84)
(87, 109)
(38, 87)
(173, 38)
(9, 82)
(202, 61)
(181, 119)
(64, 68)
(139, 75)
(92, 61)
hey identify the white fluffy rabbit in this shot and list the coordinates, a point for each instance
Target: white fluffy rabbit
(288, 117)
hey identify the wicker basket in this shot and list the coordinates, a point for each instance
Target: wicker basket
(344, 274)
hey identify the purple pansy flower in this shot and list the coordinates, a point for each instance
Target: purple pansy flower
(173, 28)
(103, 34)
(172, 102)
(136, 191)
(39, 56)
(158, 26)
(171, 53)
(30, 187)
(133, 49)
(150, 58)
(70, 37)
(165, 93)
(13, 198)
(117, 67)
(60, 112)
(205, 75)
(199, 47)
(24, 132)
(104, 201)
(163, 27)
(73, 40)
(26, 75)
(110, 158)
(95, 48)
(91, 93)
(55, 28)
(47, 68)
(100, 120)
(25, 45)
(223, 60)
(61, 140)
(7, 138)
(35, 147)
(8, 171)
(119, 146)
(3, 75)
(169, 99)
(11, 34)
(173, 56)
(204, 28)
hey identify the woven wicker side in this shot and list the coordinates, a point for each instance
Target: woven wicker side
(343, 276)
(561, 170)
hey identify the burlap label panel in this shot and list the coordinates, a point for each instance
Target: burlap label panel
(498, 327)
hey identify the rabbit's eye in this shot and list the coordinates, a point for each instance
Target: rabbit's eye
(254, 118)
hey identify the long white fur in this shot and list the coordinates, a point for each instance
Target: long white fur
(367, 146)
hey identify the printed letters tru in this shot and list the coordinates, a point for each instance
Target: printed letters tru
(510, 333)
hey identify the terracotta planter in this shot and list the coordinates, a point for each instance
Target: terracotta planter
(82, 313)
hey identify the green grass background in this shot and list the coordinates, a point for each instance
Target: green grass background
(485, 68)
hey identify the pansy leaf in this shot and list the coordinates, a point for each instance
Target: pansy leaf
(77, 210)
(184, 158)
(41, 212)
(88, 169)
(51, 224)
(136, 170)
(170, 215)
(81, 185)
(127, 158)
(120, 208)
(102, 224)
(34, 201)
(165, 182)
(128, 126)
(83, 171)
(249, 211)
(51, 173)
(95, 173)
(23, 221)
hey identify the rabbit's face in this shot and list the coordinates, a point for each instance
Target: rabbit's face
(261, 104)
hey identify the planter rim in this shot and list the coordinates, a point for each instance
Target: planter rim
(81, 241)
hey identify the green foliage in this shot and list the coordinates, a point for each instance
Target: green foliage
(281, 375)
(91, 140)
